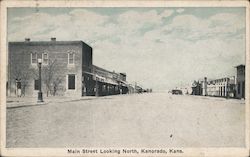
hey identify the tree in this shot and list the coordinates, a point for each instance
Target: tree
(55, 84)
(51, 77)
(23, 75)
(21, 72)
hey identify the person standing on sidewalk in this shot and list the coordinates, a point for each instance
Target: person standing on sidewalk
(18, 85)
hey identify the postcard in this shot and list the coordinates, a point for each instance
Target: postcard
(124, 78)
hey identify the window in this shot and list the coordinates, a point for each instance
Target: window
(45, 58)
(36, 85)
(71, 81)
(71, 58)
(33, 58)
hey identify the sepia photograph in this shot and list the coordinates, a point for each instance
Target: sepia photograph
(124, 79)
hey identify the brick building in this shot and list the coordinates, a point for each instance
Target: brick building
(240, 81)
(67, 69)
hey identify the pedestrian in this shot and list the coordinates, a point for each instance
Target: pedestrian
(19, 91)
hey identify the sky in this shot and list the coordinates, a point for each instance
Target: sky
(159, 48)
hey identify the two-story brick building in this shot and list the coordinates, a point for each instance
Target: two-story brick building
(67, 68)
(240, 81)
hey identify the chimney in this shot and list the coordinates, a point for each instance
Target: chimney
(53, 39)
(27, 39)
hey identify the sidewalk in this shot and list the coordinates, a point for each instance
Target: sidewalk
(16, 102)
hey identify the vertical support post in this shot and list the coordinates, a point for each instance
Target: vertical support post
(205, 86)
(226, 88)
(96, 88)
(120, 88)
(40, 94)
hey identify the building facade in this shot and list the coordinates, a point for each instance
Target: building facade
(67, 70)
(103, 82)
(240, 81)
(230, 87)
(197, 88)
(223, 87)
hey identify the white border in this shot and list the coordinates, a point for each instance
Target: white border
(227, 151)
(124, 3)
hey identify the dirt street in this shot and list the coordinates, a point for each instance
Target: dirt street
(137, 120)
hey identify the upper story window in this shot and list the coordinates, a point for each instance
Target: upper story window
(45, 58)
(33, 58)
(71, 58)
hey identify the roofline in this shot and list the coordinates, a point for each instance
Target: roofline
(227, 77)
(97, 67)
(113, 72)
(239, 65)
(48, 42)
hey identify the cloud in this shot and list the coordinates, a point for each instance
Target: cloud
(133, 22)
(153, 51)
(190, 27)
(180, 10)
(44, 25)
(227, 23)
(81, 17)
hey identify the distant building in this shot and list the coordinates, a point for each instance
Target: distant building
(131, 89)
(233, 87)
(240, 81)
(138, 89)
(67, 70)
(223, 87)
(196, 88)
(107, 82)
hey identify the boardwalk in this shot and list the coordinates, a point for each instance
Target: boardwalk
(139, 120)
